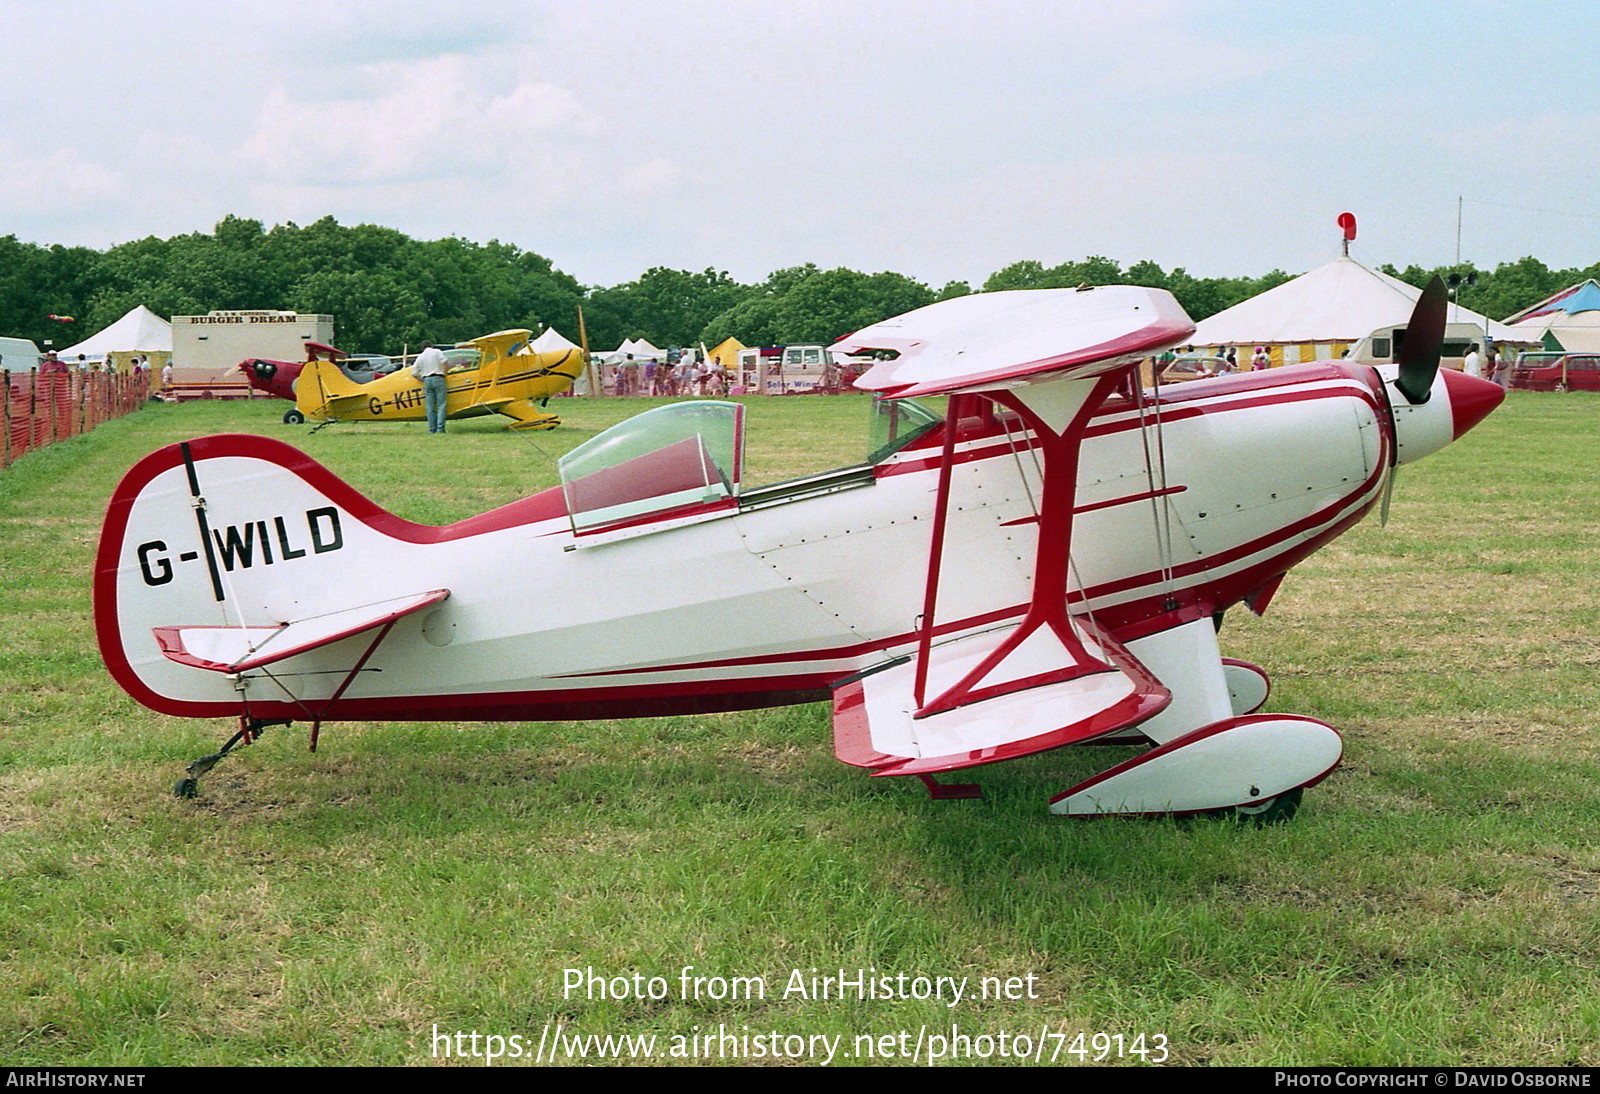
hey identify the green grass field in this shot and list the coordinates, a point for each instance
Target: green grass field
(1436, 901)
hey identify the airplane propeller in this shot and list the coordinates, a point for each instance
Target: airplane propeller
(1388, 492)
(1419, 353)
(1418, 358)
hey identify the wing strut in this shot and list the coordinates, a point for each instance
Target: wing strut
(941, 508)
(1047, 612)
(1052, 679)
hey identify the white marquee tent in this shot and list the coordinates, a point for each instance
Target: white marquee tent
(141, 331)
(551, 341)
(1323, 313)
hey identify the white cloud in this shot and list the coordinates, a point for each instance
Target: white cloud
(57, 182)
(441, 117)
(650, 178)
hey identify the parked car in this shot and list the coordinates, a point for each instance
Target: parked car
(1546, 371)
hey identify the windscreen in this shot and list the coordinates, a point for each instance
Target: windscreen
(894, 424)
(664, 459)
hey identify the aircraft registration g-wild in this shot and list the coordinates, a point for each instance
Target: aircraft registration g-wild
(1042, 567)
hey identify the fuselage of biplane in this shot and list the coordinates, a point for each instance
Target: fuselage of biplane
(764, 599)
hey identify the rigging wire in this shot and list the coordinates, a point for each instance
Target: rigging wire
(1160, 504)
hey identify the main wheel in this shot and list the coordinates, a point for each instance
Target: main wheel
(293, 417)
(1271, 810)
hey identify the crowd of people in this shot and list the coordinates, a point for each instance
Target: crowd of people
(52, 362)
(1489, 366)
(649, 376)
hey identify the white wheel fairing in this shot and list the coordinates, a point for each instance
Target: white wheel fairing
(1248, 686)
(1240, 761)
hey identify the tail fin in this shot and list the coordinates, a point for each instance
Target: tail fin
(236, 535)
(319, 384)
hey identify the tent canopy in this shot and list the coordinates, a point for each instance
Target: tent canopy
(140, 331)
(1582, 297)
(1570, 319)
(726, 353)
(1341, 301)
(551, 341)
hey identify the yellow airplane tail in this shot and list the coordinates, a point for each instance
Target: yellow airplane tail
(319, 385)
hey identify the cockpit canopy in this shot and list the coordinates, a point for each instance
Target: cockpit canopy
(688, 458)
(672, 457)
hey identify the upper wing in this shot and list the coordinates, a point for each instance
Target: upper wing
(1003, 340)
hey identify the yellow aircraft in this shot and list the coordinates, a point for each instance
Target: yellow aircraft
(492, 374)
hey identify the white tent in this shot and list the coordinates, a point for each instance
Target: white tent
(1323, 313)
(140, 331)
(640, 349)
(618, 354)
(550, 341)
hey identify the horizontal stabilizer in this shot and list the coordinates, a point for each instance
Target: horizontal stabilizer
(876, 722)
(346, 404)
(238, 649)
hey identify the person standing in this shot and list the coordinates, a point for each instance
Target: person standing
(1472, 365)
(1500, 367)
(430, 368)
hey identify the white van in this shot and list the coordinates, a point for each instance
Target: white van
(18, 355)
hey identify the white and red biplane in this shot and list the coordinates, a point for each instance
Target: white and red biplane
(1042, 568)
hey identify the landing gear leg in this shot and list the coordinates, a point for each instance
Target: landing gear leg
(249, 730)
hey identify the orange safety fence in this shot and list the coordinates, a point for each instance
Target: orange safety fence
(43, 407)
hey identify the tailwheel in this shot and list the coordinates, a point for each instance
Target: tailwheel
(249, 730)
(1274, 810)
(293, 417)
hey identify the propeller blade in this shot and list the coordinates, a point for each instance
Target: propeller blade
(1419, 353)
(1388, 492)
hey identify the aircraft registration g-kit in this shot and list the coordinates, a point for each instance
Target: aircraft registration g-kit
(1043, 567)
(497, 374)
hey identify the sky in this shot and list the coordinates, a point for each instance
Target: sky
(940, 139)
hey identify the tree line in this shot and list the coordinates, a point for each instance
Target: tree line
(385, 289)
